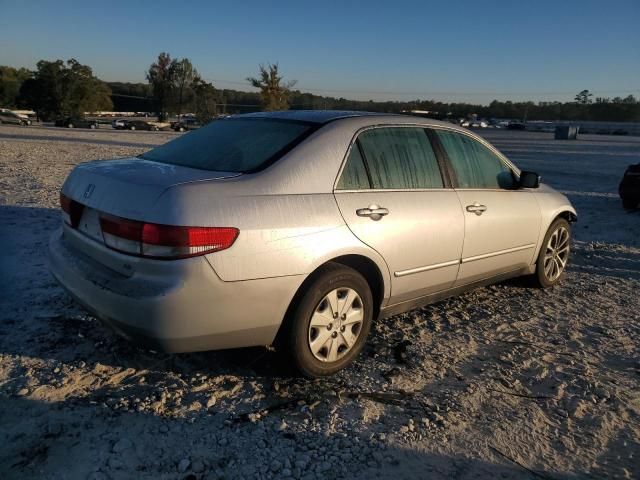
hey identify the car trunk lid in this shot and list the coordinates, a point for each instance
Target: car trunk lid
(130, 187)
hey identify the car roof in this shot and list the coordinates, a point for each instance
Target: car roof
(314, 116)
(322, 117)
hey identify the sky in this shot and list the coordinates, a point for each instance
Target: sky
(473, 51)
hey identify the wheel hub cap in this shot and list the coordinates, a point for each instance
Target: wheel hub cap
(335, 324)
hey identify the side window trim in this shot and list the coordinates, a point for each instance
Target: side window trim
(364, 161)
(446, 171)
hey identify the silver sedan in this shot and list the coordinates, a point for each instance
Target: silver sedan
(299, 229)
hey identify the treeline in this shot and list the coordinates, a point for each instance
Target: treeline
(174, 86)
(54, 89)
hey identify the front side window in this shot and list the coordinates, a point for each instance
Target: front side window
(474, 165)
(400, 158)
(233, 144)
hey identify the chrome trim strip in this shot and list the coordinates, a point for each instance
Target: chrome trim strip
(495, 254)
(402, 273)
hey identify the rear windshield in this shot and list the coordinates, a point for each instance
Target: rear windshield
(239, 145)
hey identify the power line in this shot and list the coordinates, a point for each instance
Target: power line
(426, 92)
(415, 94)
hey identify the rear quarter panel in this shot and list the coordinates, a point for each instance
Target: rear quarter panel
(280, 235)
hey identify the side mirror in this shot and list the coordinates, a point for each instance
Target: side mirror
(529, 180)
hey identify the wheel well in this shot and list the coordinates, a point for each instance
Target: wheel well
(568, 216)
(363, 265)
(369, 270)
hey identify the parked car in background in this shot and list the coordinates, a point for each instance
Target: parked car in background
(478, 124)
(629, 188)
(77, 122)
(8, 116)
(186, 124)
(140, 125)
(299, 229)
(119, 124)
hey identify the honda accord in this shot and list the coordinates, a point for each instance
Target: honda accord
(299, 229)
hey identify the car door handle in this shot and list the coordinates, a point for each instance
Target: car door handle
(476, 208)
(374, 212)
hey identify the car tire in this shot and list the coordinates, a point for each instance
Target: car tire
(333, 287)
(554, 254)
(181, 129)
(630, 203)
(92, 126)
(70, 125)
(132, 127)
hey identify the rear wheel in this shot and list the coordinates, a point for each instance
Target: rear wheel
(132, 127)
(70, 125)
(330, 323)
(554, 254)
(92, 126)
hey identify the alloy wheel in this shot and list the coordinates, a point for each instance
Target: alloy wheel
(556, 254)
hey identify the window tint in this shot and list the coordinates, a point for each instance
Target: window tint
(474, 164)
(354, 175)
(400, 158)
(232, 145)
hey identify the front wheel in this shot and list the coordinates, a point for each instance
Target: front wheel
(70, 125)
(329, 325)
(132, 127)
(554, 254)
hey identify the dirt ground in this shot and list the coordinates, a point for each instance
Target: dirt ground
(504, 382)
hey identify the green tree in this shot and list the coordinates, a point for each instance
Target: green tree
(205, 99)
(584, 97)
(274, 93)
(59, 89)
(11, 79)
(184, 76)
(161, 77)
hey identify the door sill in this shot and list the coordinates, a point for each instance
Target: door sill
(409, 305)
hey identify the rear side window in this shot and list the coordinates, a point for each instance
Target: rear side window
(354, 175)
(401, 158)
(233, 145)
(475, 166)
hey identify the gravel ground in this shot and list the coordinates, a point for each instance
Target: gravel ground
(503, 382)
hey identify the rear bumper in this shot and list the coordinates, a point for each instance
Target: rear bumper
(174, 306)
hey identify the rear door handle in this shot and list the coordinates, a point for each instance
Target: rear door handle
(476, 208)
(374, 212)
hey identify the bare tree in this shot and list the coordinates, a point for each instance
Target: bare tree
(273, 92)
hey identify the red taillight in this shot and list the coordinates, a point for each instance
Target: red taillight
(164, 241)
(121, 227)
(72, 210)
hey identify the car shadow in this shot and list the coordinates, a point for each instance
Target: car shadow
(67, 440)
